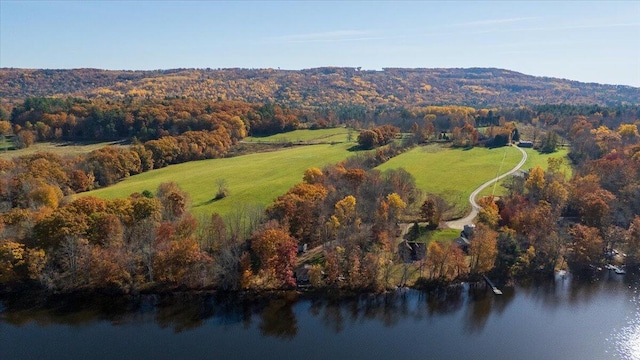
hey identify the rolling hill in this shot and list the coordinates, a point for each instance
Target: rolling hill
(478, 87)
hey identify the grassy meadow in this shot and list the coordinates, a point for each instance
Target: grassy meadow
(454, 173)
(534, 158)
(443, 235)
(62, 149)
(334, 135)
(254, 179)
(257, 179)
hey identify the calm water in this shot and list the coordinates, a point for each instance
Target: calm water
(565, 319)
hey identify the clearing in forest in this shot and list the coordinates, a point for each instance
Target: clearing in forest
(253, 180)
(332, 135)
(454, 173)
(59, 148)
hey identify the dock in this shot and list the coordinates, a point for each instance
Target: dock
(494, 288)
(618, 270)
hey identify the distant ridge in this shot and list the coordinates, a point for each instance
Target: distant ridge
(479, 87)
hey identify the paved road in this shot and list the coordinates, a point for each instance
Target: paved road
(468, 220)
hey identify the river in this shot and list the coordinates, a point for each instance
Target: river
(562, 319)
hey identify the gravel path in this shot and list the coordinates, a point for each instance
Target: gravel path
(468, 220)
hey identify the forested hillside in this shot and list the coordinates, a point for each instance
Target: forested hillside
(479, 87)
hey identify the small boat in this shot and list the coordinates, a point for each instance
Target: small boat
(620, 271)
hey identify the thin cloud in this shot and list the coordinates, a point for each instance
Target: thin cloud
(336, 35)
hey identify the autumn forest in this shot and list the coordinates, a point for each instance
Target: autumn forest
(577, 212)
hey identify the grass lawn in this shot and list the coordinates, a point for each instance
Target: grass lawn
(443, 235)
(254, 179)
(62, 149)
(534, 158)
(454, 173)
(309, 136)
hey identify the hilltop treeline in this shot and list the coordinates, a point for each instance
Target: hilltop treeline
(479, 87)
(74, 119)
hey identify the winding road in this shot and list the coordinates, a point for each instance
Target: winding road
(468, 220)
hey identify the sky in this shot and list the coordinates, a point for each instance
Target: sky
(589, 41)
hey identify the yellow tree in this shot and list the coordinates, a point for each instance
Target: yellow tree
(483, 249)
(12, 258)
(436, 259)
(535, 183)
(606, 139)
(457, 261)
(313, 176)
(556, 194)
(5, 127)
(45, 195)
(628, 133)
(345, 211)
(587, 246)
(489, 213)
(396, 206)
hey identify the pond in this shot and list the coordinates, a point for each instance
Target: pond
(562, 319)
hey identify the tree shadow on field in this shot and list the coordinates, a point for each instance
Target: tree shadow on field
(356, 148)
(208, 202)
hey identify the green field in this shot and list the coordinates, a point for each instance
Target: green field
(307, 136)
(62, 149)
(534, 158)
(443, 235)
(255, 179)
(454, 173)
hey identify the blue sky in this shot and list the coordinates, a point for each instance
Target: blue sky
(578, 40)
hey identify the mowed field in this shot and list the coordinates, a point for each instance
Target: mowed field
(62, 149)
(254, 179)
(534, 158)
(454, 173)
(308, 136)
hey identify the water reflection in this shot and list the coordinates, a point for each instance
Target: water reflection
(284, 317)
(278, 319)
(481, 305)
(275, 316)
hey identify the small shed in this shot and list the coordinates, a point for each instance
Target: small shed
(418, 250)
(467, 231)
(525, 144)
(302, 274)
(463, 243)
(410, 251)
